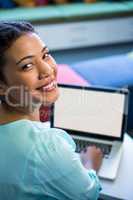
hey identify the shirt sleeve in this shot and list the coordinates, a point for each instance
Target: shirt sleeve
(60, 172)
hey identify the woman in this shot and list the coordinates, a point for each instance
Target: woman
(37, 162)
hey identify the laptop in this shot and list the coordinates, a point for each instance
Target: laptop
(94, 116)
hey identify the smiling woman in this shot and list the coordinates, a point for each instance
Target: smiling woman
(30, 65)
(36, 161)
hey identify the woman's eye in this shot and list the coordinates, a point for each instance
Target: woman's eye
(46, 55)
(27, 66)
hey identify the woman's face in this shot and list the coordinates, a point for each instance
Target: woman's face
(30, 66)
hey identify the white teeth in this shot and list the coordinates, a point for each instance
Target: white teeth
(49, 86)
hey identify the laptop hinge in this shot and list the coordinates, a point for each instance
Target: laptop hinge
(94, 139)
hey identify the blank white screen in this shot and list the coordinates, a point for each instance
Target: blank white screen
(96, 112)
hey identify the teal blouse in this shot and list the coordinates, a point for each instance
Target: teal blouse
(40, 163)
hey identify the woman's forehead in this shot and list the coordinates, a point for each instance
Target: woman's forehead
(29, 43)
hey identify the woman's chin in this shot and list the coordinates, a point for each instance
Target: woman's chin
(45, 98)
(50, 98)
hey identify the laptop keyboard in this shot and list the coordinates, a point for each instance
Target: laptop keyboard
(82, 144)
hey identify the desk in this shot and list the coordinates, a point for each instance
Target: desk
(122, 187)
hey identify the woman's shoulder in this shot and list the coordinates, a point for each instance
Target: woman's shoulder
(54, 135)
(36, 131)
(30, 127)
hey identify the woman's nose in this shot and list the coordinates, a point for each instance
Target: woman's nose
(45, 70)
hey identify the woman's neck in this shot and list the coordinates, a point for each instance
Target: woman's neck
(8, 114)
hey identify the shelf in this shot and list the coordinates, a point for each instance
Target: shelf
(68, 12)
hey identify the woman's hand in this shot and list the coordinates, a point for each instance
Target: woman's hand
(92, 158)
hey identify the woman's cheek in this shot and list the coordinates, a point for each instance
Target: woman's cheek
(54, 66)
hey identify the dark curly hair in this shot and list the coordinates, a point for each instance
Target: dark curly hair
(9, 32)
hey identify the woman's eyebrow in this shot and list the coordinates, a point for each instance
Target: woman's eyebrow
(44, 48)
(26, 57)
(30, 56)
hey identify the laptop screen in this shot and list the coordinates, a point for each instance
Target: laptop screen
(90, 111)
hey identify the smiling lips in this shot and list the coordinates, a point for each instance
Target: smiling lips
(48, 88)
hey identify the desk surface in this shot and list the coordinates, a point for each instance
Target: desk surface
(122, 187)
